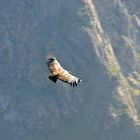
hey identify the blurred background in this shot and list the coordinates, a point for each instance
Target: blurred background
(98, 41)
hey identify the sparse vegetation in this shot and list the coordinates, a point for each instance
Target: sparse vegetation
(104, 51)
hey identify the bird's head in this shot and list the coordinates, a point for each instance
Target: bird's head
(51, 59)
(79, 80)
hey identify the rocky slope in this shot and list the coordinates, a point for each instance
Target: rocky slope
(126, 73)
(96, 40)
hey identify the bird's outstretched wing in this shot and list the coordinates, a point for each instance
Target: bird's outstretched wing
(57, 72)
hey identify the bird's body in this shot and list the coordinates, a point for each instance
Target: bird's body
(57, 72)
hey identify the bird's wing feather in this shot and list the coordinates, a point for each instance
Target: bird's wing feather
(56, 70)
(54, 67)
(68, 78)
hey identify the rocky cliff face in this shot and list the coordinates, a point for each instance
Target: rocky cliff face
(96, 40)
(122, 65)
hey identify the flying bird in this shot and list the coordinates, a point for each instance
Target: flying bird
(57, 72)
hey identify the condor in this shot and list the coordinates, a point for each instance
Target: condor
(57, 72)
